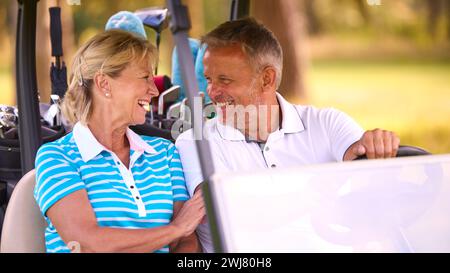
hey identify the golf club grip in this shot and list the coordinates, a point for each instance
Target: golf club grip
(55, 31)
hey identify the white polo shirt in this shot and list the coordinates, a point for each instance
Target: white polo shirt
(308, 135)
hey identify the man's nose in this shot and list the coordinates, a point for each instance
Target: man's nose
(213, 90)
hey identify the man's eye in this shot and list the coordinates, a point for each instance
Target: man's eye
(225, 81)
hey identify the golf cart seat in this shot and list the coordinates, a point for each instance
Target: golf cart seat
(23, 226)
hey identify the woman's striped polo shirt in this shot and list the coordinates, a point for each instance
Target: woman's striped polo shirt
(141, 196)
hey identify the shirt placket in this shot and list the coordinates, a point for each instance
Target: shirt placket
(128, 178)
(268, 155)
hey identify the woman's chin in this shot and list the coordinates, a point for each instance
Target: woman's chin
(139, 117)
(139, 122)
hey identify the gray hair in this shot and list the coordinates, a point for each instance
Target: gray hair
(257, 42)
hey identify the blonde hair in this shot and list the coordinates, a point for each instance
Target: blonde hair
(109, 53)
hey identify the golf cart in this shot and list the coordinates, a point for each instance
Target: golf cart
(34, 130)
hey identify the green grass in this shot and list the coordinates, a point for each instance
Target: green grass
(412, 99)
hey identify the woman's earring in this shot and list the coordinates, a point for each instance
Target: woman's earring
(107, 95)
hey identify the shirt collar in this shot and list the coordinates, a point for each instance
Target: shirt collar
(291, 123)
(138, 144)
(229, 132)
(89, 146)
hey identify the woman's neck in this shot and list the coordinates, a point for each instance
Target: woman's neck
(110, 134)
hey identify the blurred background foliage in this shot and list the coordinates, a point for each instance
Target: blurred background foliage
(385, 63)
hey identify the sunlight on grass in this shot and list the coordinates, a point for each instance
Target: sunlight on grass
(412, 99)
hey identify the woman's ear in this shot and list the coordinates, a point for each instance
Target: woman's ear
(102, 84)
(268, 78)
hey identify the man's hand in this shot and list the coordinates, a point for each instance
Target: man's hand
(376, 143)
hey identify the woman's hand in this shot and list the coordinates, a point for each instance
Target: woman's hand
(190, 215)
(82, 228)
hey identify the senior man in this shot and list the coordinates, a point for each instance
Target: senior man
(255, 126)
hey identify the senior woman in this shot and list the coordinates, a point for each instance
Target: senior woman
(103, 188)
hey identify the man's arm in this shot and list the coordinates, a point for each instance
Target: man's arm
(189, 159)
(375, 143)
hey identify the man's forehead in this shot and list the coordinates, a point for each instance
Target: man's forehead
(224, 57)
(230, 50)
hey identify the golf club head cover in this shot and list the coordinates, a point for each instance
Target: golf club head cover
(128, 21)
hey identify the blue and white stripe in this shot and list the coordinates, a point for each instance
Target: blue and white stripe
(158, 178)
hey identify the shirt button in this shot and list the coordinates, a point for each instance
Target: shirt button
(267, 149)
(137, 198)
(131, 187)
(273, 165)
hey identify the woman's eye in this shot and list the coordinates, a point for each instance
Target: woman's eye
(146, 77)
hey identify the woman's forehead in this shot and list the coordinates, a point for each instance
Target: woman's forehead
(144, 65)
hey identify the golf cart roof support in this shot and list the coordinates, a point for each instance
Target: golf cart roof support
(179, 25)
(27, 95)
(239, 9)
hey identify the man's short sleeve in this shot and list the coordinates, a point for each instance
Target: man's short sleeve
(56, 176)
(191, 164)
(342, 131)
(176, 175)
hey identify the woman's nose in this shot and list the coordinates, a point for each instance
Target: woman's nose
(153, 90)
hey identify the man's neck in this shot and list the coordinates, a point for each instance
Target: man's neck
(269, 120)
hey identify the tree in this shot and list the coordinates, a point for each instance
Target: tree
(286, 20)
(196, 16)
(362, 8)
(313, 23)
